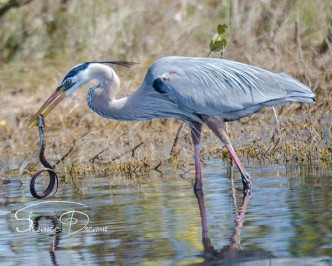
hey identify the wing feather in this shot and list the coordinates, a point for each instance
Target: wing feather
(224, 88)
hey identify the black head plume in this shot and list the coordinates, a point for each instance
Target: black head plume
(120, 63)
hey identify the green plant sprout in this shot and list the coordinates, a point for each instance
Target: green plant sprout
(218, 42)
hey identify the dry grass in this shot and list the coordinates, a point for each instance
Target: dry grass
(40, 42)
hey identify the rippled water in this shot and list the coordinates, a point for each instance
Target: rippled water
(155, 220)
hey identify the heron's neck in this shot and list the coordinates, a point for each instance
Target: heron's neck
(144, 103)
(102, 98)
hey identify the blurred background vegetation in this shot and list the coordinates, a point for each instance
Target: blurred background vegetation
(41, 40)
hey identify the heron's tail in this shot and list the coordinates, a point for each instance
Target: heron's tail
(296, 88)
(296, 91)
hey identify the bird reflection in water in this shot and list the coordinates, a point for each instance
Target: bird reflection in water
(232, 253)
(57, 232)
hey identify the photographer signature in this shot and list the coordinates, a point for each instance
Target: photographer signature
(69, 222)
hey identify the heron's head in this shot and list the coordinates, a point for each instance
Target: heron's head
(76, 77)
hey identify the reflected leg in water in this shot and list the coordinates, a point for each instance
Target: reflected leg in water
(200, 199)
(196, 129)
(231, 251)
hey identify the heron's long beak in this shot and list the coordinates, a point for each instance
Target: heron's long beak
(57, 96)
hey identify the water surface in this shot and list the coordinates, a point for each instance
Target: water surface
(155, 220)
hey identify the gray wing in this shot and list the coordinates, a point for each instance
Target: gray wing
(224, 88)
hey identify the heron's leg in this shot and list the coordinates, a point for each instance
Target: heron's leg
(196, 129)
(217, 125)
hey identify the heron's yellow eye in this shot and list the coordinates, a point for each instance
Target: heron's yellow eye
(68, 81)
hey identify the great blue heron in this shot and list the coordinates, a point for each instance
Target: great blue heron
(195, 90)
